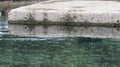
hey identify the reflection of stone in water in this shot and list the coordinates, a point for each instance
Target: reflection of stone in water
(0, 13)
(3, 25)
(3, 13)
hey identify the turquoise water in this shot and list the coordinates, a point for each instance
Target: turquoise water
(60, 52)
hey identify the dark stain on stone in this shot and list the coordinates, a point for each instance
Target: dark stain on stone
(118, 29)
(92, 18)
(68, 20)
(98, 28)
(25, 27)
(45, 17)
(92, 31)
(67, 17)
(45, 29)
(82, 29)
(30, 18)
(68, 29)
(46, 23)
(118, 21)
(74, 30)
(45, 14)
(74, 17)
(25, 18)
(30, 27)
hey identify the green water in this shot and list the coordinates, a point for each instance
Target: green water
(67, 52)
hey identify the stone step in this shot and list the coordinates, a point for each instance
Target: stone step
(67, 19)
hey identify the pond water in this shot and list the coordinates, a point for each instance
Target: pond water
(58, 52)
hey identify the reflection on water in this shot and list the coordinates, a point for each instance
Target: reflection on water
(58, 52)
(0, 13)
(3, 25)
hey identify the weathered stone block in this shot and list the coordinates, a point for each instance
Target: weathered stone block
(68, 18)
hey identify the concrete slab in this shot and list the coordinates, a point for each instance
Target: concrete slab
(69, 11)
(68, 18)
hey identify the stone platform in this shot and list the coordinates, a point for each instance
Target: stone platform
(99, 19)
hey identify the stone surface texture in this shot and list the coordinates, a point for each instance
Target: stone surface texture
(67, 18)
(77, 11)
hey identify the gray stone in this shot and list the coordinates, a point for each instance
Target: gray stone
(67, 19)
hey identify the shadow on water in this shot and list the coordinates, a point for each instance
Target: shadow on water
(59, 52)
